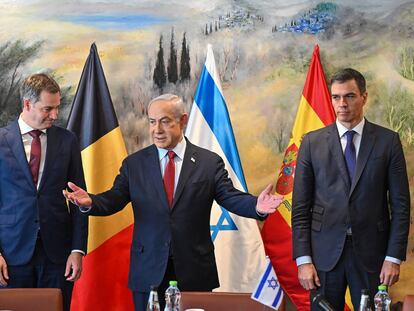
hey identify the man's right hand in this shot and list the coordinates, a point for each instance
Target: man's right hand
(4, 274)
(308, 277)
(78, 197)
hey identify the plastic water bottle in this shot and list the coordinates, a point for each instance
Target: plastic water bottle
(153, 303)
(172, 297)
(382, 300)
(364, 304)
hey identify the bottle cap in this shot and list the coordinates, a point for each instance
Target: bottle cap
(365, 292)
(382, 287)
(153, 287)
(173, 283)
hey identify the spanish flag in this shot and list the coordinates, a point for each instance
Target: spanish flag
(103, 285)
(315, 111)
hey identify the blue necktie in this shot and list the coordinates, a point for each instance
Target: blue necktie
(350, 154)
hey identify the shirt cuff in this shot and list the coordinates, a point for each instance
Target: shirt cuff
(85, 209)
(303, 260)
(78, 251)
(393, 260)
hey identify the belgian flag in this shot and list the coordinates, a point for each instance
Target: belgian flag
(103, 285)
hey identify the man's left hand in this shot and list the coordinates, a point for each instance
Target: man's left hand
(73, 267)
(268, 203)
(390, 273)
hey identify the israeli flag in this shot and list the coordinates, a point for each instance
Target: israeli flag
(237, 240)
(268, 290)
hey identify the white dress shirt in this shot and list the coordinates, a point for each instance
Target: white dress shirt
(178, 159)
(27, 144)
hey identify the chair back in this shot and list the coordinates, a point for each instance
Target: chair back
(29, 299)
(222, 301)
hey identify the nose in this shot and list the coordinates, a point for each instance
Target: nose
(54, 114)
(342, 101)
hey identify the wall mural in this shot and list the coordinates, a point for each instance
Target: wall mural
(262, 50)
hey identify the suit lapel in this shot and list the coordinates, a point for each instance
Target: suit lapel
(14, 140)
(189, 163)
(367, 143)
(154, 171)
(336, 151)
(52, 151)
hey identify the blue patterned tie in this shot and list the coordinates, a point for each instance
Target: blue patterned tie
(350, 154)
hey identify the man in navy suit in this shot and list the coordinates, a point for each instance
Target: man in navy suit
(171, 239)
(351, 201)
(42, 238)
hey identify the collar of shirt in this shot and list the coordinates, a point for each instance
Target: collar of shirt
(357, 138)
(179, 150)
(358, 128)
(25, 128)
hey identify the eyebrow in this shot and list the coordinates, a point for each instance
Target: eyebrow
(163, 118)
(347, 94)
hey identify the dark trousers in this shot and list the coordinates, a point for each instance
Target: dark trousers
(40, 272)
(141, 299)
(347, 272)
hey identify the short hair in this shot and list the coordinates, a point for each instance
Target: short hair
(33, 85)
(348, 74)
(177, 101)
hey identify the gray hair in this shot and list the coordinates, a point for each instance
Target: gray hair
(176, 100)
(34, 85)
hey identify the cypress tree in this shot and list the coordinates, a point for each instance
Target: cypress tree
(159, 72)
(185, 61)
(172, 61)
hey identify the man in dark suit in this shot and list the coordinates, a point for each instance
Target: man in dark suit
(42, 239)
(351, 201)
(171, 239)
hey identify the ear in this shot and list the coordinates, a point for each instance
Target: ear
(365, 96)
(184, 120)
(26, 105)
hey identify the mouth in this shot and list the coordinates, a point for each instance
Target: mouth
(160, 138)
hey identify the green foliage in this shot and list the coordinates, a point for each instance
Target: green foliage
(13, 56)
(398, 112)
(406, 62)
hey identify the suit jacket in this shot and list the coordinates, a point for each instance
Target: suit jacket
(376, 205)
(182, 231)
(24, 209)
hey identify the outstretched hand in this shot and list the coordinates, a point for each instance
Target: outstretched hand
(267, 203)
(78, 196)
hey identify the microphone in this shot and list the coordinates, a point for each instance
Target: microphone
(320, 301)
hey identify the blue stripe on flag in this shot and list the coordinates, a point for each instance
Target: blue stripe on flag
(263, 280)
(213, 107)
(277, 298)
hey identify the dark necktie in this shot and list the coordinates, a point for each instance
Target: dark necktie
(169, 177)
(35, 153)
(350, 154)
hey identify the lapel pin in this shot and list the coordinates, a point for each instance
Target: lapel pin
(192, 160)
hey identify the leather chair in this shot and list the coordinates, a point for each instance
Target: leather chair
(408, 304)
(31, 299)
(222, 301)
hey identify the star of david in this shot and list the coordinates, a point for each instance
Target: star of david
(273, 283)
(224, 223)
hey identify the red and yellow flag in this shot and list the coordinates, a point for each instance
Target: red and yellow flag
(104, 281)
(315, 111)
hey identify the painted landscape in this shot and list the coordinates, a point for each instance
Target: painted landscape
(262, 50)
